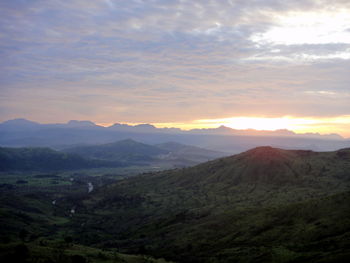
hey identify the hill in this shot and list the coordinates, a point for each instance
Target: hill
(125, 150)
(266, 205)
(170, 154)
(45, 159)
(255, 170)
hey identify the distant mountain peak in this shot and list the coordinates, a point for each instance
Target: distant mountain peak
(223, 127)
(134, 128)
(20, 121)
(20, 124)
(77, 123)
(115, 125)
(146, 125)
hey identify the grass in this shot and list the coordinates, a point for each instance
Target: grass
(55, 251)
(261, 206)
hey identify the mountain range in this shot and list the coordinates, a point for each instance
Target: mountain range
(23, 133)
(17, 124)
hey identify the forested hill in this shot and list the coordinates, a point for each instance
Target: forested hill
(45, 159)
(128, 150)
(264, 205)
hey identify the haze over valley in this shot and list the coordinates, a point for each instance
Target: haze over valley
(21, 133)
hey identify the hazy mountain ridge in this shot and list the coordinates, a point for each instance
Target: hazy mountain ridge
(23, 133)
(148, 128)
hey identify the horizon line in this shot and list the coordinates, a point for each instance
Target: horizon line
(185, 127)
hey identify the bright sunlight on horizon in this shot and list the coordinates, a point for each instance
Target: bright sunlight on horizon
(299, 125)
(331, 125)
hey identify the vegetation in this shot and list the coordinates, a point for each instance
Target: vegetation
(49, 251)
(45, 159)
(125, 150)
(126, 155)
(131, 152)
(264, 205)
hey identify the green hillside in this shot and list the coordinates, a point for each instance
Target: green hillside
(260, 176)
(66, 252)
(45, 159)
(264, 205)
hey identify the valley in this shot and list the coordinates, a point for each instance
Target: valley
(263, 205)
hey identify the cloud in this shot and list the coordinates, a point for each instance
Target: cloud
(162, 61)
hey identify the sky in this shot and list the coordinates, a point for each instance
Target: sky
(262, 64)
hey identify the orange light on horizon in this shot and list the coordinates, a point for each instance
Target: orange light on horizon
(339, 125)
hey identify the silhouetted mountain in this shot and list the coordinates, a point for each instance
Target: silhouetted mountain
(142, 128)
(80, 124)
(22, 133)
(223, 130)
(45, 159)
(19, 124)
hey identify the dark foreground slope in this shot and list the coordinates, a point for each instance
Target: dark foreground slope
(264, 205)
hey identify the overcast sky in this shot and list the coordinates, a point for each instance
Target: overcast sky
(161, 61)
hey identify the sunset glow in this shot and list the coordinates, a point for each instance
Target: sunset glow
(340, 124)
(263, 65)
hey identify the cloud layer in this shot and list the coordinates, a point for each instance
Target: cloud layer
(171, 61)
